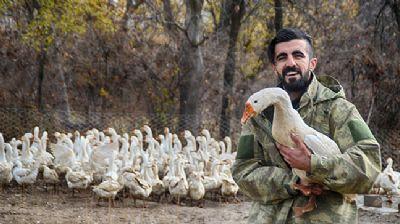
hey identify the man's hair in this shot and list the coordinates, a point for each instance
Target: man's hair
(285, 35)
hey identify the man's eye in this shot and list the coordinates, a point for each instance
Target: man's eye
(299, 55)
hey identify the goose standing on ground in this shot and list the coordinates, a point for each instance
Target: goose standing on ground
(196, 187)
(14, 145)
(179, 186)
(26, 156)
(138, 187)
(25, 175)
(50, 176)
(78, 179)
(36, 139)
(109, 187)
(388, 180)
(288, 121)
(43, 156)
(5, 166)
(64, 157)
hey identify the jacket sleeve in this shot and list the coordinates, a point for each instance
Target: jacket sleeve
(258, 178)
(355, 170)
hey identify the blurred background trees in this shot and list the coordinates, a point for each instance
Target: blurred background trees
(191, 62)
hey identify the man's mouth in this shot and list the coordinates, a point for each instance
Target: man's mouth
(291, 74)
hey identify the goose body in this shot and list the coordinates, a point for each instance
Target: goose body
(389, 180)
(5, 166)
(178, 187)
(107, 189)
(50, 176)
(196, 186)
(287, 120)
(25, 175)
(78, 179)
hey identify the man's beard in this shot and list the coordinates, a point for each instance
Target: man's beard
(294, 84)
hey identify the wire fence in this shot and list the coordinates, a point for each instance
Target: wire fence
(14, 122)
(17, 121)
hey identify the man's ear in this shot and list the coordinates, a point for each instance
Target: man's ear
(313, 64)
(274, 69)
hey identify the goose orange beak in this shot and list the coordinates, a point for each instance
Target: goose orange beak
(248, 113)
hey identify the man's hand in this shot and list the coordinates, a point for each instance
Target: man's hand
(298, 157)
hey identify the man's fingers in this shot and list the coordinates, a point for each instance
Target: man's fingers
(296, 139)
(300, 144)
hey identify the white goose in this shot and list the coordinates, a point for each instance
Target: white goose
(5, 166)
(42, 155)
(36, 139)
(179, 186)
(138, 187)
(26, 156)
(64, 157)
(78, 179)
(213, 182)
(196, 187)
(25, 175)
(110, 185)
(228, 155)
(287, 120)
(99, 158)
(229, 188)
(14, 145)
(50, 176)
(389, 180)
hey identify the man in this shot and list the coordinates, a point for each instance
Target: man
(263, 169)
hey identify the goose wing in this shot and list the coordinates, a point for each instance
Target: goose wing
(321, 144)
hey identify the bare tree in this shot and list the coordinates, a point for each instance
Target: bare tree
(237, 11)
(191, 65)
(278, 15)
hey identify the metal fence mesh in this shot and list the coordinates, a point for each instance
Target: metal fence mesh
(17, 121)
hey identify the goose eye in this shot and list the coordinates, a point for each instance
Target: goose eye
(255, 101)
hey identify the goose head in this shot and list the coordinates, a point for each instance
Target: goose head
(36, 132)
(187, 134)
(166, 131)
(262, 99)
(43, 141)
(138, 134)
(134, 141)
(77, 135)
(206, 133)
(126, 136)
(147, 129)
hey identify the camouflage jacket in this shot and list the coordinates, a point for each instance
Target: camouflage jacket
(262, 174)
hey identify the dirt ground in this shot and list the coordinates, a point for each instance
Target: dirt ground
(38, 206)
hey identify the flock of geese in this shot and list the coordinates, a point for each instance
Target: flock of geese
(109, 163)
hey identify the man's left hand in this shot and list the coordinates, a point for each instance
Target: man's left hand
(298, 157)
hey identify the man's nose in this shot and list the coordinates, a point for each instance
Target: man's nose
(290, 62)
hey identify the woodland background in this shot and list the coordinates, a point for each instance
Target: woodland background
(186, 64)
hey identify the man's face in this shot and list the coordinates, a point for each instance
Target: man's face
(293, 64)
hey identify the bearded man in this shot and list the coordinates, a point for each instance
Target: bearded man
(263, 169)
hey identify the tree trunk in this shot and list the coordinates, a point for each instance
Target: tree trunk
(62, 99)
(192, 67)
(278, 15)
(42, 59)
(237, 12)
(395, 7)
(225, 14)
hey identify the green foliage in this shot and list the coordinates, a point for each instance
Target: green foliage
(57, 20)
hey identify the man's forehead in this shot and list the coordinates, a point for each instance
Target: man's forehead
(290, 46)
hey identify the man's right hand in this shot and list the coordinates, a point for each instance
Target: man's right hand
(309, 189)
